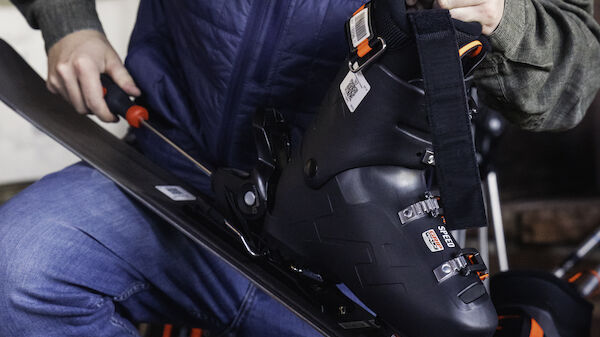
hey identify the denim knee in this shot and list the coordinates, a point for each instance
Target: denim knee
(52, 276)
(50, 269)
(73, 243)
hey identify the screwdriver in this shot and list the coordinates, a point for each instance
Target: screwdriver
(137, 116)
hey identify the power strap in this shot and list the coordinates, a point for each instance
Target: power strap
(447, 108)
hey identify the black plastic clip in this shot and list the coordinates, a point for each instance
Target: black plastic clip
(356, 63)
(475, 263)
(467, 261)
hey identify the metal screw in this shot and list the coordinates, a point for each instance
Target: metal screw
(495, 124)
(408, 213)
(446, 268)
(249, 198)
(430, 159)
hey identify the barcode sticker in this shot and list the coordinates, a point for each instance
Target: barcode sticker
(176, 193)
(359, 27)
(354, 88)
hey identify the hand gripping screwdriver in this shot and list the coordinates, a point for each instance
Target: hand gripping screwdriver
(137, 116)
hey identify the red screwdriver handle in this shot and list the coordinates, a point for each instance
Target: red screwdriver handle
(120, 104)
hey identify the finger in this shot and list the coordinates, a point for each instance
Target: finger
(72, 89)
(450, 4)
(57, 87)
(88, 76)
(52, 84)
(119, 74)
(466, 14)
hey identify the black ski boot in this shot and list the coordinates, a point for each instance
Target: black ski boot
(358, 203)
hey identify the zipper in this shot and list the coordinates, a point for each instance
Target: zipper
(258, 12)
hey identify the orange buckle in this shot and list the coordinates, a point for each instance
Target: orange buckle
(365, 46)
(365, 54)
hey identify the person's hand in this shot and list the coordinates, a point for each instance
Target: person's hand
(487, 12)
(75, 63)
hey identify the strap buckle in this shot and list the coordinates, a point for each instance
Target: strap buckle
(466, 262)
(356, 62)
(365, 46)
(420, 209)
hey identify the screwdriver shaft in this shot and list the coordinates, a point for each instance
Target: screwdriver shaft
(173, 145)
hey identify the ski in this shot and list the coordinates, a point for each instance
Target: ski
(320, 304)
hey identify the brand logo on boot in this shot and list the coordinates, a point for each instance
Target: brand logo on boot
(432, 241)
(446, 236)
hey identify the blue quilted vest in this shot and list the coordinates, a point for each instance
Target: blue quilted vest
(205, 66)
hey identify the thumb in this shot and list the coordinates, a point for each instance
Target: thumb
(119, 74)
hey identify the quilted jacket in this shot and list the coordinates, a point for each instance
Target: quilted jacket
(206, 66)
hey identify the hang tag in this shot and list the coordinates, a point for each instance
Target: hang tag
(359, 27)
(176, 193)
(354, 88)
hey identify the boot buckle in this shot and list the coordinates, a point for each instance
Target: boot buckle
(364, 46)
(356, 63)
(466, 262)
(429, 206)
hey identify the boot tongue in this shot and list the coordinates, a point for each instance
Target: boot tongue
(392, 23)
(397, 10)
(401, 56)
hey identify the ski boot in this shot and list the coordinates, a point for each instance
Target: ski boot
(358, 203)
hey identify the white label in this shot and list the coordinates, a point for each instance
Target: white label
(176, 193)
(359, 27)
(354, 88)
(432, 241)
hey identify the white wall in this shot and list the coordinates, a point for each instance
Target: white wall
(25, 153)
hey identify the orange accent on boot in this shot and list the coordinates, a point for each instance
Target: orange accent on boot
(536, 329)
(473, 48)
(575, 277)
(358, 10)
(363, 48)
(196, 333)
(167, 330)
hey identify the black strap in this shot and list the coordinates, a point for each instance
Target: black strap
(445, 94)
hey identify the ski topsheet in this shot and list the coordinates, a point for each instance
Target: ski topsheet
(179, 204)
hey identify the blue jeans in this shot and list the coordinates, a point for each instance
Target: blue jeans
(80, 258)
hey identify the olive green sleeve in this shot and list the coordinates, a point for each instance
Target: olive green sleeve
(57, 18)
(544, 70)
